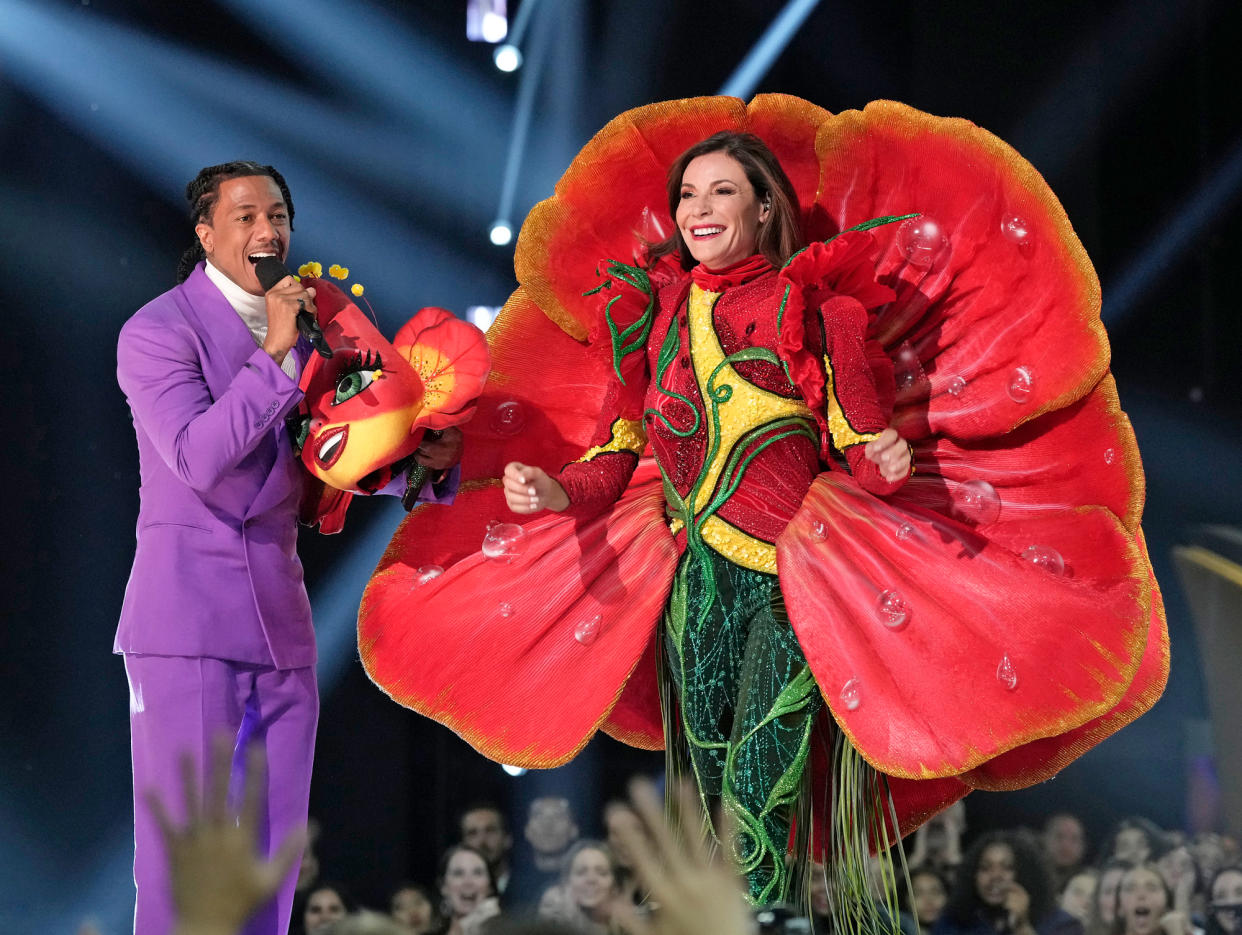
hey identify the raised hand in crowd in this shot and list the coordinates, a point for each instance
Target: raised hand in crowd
(218, 879)
(693, 892)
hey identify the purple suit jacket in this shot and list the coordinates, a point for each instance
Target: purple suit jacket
(216, 571)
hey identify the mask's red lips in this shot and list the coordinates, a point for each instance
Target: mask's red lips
(330, 446)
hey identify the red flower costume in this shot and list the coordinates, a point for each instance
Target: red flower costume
(980, 627)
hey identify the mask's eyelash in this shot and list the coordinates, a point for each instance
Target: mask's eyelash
(357, 363)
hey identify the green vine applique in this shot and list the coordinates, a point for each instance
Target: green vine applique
(633, 337)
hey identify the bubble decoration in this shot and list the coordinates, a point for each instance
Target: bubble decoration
(977, 501)
(922, 241)
(1016, 230)
(1109, 456)
(891, 610)
(905, 531)
(504, 542)
(851, 695)
(1046, 558)
(955, 386)
(587, 631)
(427, 573)
(505, 609)
(819, 530)
(907, 368)
(1021, 384)
(1006, 674)
(508, 419)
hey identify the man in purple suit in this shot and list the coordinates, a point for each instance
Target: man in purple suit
(216, 626)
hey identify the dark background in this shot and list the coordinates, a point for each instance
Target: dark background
(394, 132)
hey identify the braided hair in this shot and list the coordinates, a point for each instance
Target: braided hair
(203, 192)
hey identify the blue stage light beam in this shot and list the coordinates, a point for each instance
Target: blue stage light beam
(1174, 237)
(521, 21)
(528, 86)
(768, 49)
(379, 59)
(125, 91)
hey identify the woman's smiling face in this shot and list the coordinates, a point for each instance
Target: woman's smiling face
(466, 883)
(718, 214)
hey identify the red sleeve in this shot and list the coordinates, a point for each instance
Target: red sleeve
(597, 479)
(854, 413)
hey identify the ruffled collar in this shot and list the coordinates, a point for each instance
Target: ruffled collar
(744, 271)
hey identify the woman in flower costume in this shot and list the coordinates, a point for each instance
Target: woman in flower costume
(978, 626)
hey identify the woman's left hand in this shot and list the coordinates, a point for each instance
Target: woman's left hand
(891, 454)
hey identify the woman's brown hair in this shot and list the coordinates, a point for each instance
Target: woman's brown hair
(780, 236)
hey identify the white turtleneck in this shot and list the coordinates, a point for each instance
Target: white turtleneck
(252, 309)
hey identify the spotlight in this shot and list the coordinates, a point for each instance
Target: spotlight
(507, 57)
(501, 233)
(486, 20)
(513, 770)
(481, 316)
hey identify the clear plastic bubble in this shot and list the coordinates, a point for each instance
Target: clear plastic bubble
(1006, 674)
(1021, 384)
(922, 241)
(1016, 230)
(505, 609)
(891, 610)
(509, 418)
(587, 630)
(427, 573)
(955, 386)
(907, 368)
(819, 530)
(504, 542)
(1046, 558)
(905, 531)
(851, 695)
(1109, 456)
(977, 501)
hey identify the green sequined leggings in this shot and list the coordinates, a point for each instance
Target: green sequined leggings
(747, 703)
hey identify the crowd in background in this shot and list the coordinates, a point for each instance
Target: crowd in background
(1139, 880)
(644, 880)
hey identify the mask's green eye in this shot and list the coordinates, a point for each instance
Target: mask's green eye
(359, 373)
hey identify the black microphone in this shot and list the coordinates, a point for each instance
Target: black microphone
(271, 271)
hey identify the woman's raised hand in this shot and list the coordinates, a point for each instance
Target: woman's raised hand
(891, 454)
(529, 489)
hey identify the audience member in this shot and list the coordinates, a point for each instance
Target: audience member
(590, 880)
(926, 897)
(308, 870)
(554, 903)
(468, 891)
(1065, 846)
(1078, 895)
(1181, 876)
(1145, 905)
(1209, 850)
(413, 907)
(1225, 909)
(484, 828)
(620, 816)
(938, 842)
(326, 903)
(550, 830)
(1134, 840)
(1003, 887)
(1104, 910)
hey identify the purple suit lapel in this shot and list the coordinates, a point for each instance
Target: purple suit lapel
(228, 344)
